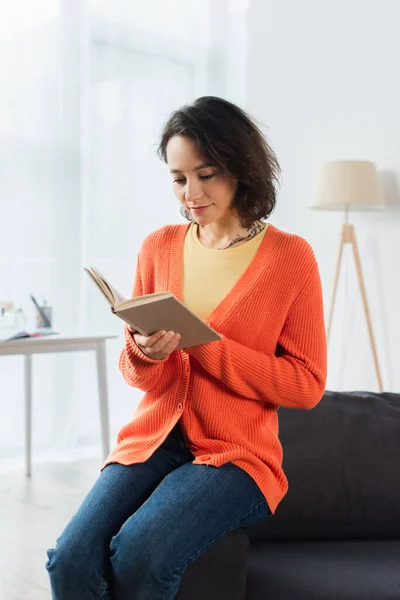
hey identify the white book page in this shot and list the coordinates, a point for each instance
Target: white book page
(117, 297)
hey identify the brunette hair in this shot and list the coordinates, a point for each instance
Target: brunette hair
(233, 141)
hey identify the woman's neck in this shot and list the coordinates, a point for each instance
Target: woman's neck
(222, 240)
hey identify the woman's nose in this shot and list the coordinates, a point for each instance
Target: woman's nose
(193, 191)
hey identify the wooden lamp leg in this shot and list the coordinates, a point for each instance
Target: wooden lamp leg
(365, 304)
(348, 236)
(335, 284)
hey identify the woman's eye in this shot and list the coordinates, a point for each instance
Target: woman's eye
(181, 180)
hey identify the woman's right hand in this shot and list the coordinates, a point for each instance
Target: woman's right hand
(159, 345)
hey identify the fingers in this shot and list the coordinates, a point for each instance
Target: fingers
(158, 345)
(148, 341)
(170, 340)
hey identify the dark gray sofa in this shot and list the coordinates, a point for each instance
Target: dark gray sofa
(336, 535)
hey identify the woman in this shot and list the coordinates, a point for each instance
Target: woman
(201, 456)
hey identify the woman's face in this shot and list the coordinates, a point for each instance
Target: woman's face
(198, 183)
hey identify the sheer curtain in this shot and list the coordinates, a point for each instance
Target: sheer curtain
(85, 88)
(39, 171)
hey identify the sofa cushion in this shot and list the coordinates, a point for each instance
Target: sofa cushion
(324, 570)
(342, 460)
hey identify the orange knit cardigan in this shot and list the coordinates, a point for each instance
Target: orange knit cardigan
(227, 393)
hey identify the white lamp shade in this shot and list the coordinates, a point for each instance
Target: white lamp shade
(352, 184)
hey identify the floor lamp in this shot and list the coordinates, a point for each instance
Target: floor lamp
(350, 185)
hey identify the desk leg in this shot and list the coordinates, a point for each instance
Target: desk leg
(28, 412)
(103, 395)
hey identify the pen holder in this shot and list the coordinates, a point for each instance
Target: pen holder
(40, 324)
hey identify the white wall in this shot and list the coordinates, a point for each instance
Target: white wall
(323, 76)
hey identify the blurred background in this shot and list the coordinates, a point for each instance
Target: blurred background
(85, 87)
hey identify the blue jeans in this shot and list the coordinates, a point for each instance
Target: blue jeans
(141, 525)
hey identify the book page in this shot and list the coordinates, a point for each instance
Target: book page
(111, 294)
(104, 289)
(139, 300)
(117, 298)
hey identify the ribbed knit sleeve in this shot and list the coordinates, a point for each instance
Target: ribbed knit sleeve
(138, 369)
(296, 376)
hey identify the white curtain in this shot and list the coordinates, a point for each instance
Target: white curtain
(85, 87)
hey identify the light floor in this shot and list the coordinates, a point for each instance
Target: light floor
(33, 513)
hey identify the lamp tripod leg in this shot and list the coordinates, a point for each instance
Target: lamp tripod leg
(335, 285)
(366, 309)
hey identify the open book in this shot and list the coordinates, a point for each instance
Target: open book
(155, 312)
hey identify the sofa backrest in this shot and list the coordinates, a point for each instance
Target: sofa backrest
(342, 460)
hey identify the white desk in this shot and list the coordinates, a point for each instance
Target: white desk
(28, 346)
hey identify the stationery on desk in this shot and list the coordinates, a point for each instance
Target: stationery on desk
(155, 312)
(45, 321)
(24, 334)
(44, 325)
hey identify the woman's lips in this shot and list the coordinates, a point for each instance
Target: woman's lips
(199, 208)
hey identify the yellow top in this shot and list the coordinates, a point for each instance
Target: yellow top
(209, 274)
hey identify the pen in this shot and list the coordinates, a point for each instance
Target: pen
(45, 320)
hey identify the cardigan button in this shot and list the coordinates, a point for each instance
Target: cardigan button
(180, 406)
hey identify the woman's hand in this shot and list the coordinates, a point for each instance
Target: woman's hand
(157, 346)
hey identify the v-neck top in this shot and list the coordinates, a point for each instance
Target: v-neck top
(213, 270)
(226, 393)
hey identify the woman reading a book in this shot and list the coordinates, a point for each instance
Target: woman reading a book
(201, 456)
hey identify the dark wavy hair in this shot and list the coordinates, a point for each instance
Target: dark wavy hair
(232, 140)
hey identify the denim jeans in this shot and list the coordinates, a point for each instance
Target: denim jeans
(141, 525)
